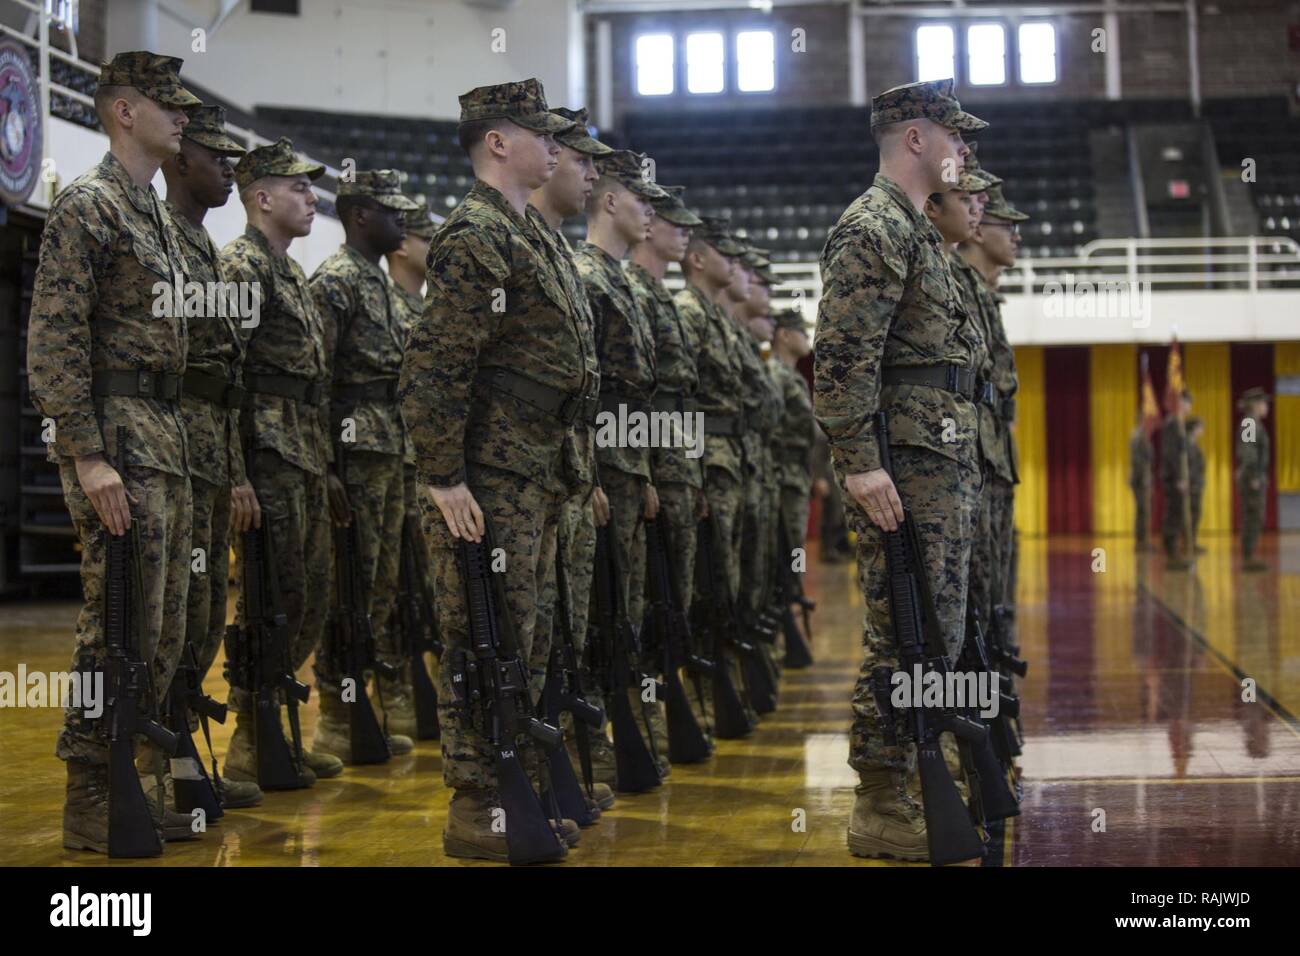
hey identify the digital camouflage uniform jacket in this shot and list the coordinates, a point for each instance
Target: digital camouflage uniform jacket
(721, 370)
(289, 340)
(215, 349)
(792, 440)
(409, 307)
(496, 298)
(365, 332)
(890, 300)
(107, 245)
(998, 366)
(676, 377)
(580, 443)
(625, 346)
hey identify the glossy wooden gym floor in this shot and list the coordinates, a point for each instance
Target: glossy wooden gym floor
(1132, 709)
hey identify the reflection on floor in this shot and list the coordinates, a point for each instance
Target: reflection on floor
(1140, 749)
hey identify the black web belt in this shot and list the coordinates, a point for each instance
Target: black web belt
(302, 390)
(732, 425)
(568, 407)
(1008, 409)
(213, 388)
(665, 401)
(382, 390)
(951, 378)
(130, 383)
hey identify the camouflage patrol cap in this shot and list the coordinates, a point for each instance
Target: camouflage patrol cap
(929, 99)
(998, 206)
(672, 207)
(628, 169)
(971, 183)
(790, 319)
(207, 127)
(384, 186)
(420, 221)
(769, 278)
(1255, 394)
(580, 137)
(523, 102)
(156, 76)
(274, 159)
(986, 178)
(715, 230)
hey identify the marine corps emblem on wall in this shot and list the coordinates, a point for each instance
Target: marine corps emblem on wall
(20, 124)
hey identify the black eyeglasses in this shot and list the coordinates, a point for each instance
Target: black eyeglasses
(1013, 226)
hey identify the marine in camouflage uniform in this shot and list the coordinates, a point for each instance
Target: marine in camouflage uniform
(763, 407)
(1142, 456)
(561, 197)
(494, 377)
(893, 336)
(618, 216)
(98, 358)
(710, 260)
(406, 269)
(793, 439)
(1175, 480)
(364, 329)
(200, 178)
(997, 377)
(677, 471)
(285, 417)
(1195, 477)
(1253, 471)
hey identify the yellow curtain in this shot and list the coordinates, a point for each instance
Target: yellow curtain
(1207, 370)
(1286, 419)
(1113, 405)
(1031, 437)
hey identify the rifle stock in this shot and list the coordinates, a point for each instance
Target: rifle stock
(491, 683)
(130, 702)
(949, 830)
(193, 788)
(732, 719)
(418, 628)
(686, 740)
(614, 641)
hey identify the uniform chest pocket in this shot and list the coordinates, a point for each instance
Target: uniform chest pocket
(150, 254)
(937, 289)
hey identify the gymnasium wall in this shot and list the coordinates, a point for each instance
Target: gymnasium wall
(1243, 51)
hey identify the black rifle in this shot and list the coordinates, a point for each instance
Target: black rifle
(130, 702)
(686, 741)
(490, 683)
(949, 830)
(760, 626)
(1002, 731)
(257, 657)
(563, 692)
(186, 697)
(351, 639)
(714, 612)
(613, 650)
(790, 591)
(418, 627)
(984, 769)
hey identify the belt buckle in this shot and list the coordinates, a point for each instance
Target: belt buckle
(952, 379)
(567, 413)
(233, 396)
(311, 394)
(144, 384)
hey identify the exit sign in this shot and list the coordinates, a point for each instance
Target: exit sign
(1179, 189)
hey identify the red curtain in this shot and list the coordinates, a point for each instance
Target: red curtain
(1069, 446)
(1252, 365)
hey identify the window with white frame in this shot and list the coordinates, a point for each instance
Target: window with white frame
(755, 61)
(704, 63)
(1037, 45)
(986, 54)
(654, 64)
(935, 52)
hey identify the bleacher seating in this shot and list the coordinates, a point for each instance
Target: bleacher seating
(1263, 129)
(785, 177)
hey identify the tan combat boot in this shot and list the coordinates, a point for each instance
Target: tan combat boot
(657, 720)
(332, 744)
(399, 706)
(85, 807)
(239, 794)
(602, 795)
(469, 832)
(886, 822)
(241, 758)
(176, 827)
